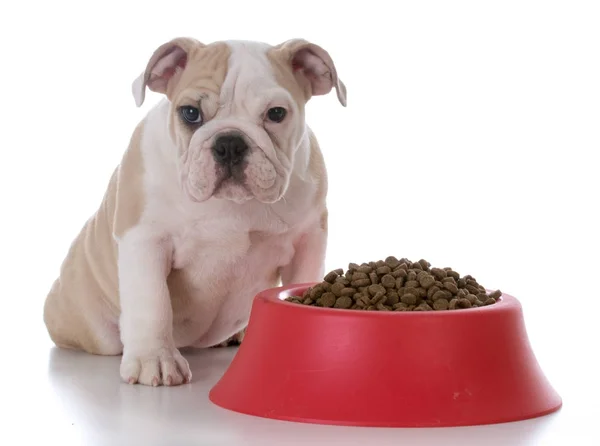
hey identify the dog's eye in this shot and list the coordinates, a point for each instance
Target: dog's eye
(190, 114)
(276, 114)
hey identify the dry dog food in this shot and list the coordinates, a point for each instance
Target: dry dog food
(397, 285)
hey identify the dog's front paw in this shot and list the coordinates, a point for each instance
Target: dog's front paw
(163, 366)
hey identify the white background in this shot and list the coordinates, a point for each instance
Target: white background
(471, 139)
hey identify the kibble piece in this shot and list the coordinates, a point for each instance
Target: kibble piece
(471, 298)
(426, 280)
(371, 308)
(472, 289)
(416, 265)
(440, 305)
(352, 267)
(453, 304)
(464, 303)
(439, 295)
(379, 297)
(365, 269)
(381, 307)
(453, 274)
(348, 292)
(424, 264)
(365, 300)
(496, 294)
(461, 283)
(339, 271)
(316, 292)
(431, 291)
(412, 275)
(438, 273)
(392, 262)
(451, 287)
(375, 289)
(374, 277)
(358, 275)
(382, 270)
(326, 286)
(360, 282)
(399, 282)
(330, 277)
(423, 307)
(490, 301)
(342, 280)
(308, 301)
(411, 284)
(343, 302)
(327, 300)
(392, 298)
(337, 288)
(388, 281)
(349, 275)
(409, 299)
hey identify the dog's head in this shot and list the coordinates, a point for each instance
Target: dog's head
(237, 111)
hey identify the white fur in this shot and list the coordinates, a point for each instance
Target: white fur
(226, 251)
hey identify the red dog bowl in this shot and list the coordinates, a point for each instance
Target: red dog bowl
(388, 369)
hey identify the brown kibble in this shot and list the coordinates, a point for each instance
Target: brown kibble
(471, 298)
(371, 308)
(472, 289)
(349, 275)
(381, 307)
(431, 291)
(348, 292)
(423, 307)
(409, 299)
(400, 307)
(383, 270)
(379, 297)
(416, 265)
(496, 294)
(438, 273)
(424, 264)
(440, 305)
(453, 304)
(399, 282)
(453, 274)
(353, 267)
(337, 288)
(374, 277)
(342, 280)
(365, 300)
(316, 292)
(426, 280)
(412, 275)
(326, 286)
(343, 302)
(327, 300)
(451, 287)
(461, 283)
(360, 282)
(374, 289)
(339, 271)
(388, 281)
(392, 298)
(412, 284)
(439, 295)
(392, 262)
(464, 303)
(399, 272)
(307, 301)
(331, 277)
(490, 301)
(358, 275)
(365, 269)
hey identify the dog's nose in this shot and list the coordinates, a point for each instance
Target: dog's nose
(229, 149)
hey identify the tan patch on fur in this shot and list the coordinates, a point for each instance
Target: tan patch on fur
(281, 60)
(128, 182)
(85, 296)
(205, 72)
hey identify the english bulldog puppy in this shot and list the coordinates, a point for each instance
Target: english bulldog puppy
(220, 194)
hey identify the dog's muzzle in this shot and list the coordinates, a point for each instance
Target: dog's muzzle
(229, 150)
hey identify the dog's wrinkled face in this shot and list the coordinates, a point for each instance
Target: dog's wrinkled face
(237, 112)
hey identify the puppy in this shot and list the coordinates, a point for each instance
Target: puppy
(220, 194)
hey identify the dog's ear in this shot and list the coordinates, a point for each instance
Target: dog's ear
(166, 63)
(316, 65)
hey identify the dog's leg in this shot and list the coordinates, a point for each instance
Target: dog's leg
(149, 353)
(308, 262)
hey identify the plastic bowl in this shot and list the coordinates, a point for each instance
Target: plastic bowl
(387, 369)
